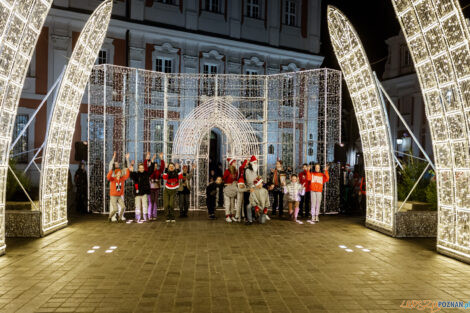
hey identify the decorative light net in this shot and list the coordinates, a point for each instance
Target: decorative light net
(438, 38)
(294, 117)
(20, 25)
(373, 125)
(56, 157)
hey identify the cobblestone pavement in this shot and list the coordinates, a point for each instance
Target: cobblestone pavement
(198, 265)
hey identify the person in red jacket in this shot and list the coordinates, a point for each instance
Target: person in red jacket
(305, 199)
(154, 187)
(117, 183)
(317, 179)
(230, 190)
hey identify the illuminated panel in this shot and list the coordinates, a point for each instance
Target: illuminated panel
(20, 25)
(373, 125)
(437, 36)
(55, 164)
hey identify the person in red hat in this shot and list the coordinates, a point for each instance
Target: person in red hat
(259, 202)
(230, 190)
(251, 173)
(242, 190)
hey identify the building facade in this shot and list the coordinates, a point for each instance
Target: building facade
(401, 83)
(171, 36)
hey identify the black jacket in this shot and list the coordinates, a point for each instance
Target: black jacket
(211, 195)
(142, 181)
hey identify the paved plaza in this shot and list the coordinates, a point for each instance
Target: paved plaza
(198, 265)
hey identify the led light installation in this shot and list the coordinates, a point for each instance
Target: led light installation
(438, 38)
(53, 183)
(373, 125)
(20, 25)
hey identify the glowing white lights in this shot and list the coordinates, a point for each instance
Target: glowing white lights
(53, 183)
(20, 26)
(438, 39)
(372, 122)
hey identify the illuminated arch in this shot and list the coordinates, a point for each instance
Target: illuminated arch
(438, 39)
(20, 25)
(373, 124)
(215, 113)
(56, 157)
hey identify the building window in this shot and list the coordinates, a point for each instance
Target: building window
(253, 8)
(405, 56)
(213, 6)
(287, 92)
(310, 152)
(164, 65)
(271, 149)
(20, 151)
(289, 13)
(102, 57)
(251, 84)
(210, 69)
(208, 82)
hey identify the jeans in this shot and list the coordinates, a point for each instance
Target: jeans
(114, 201)
(183, 203)
(278, 202)
(141, 202)
(169, 202)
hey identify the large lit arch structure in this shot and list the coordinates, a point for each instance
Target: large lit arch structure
(53, 183)
(438, 38)
(20, 25)
(373, 123)
(216, 112)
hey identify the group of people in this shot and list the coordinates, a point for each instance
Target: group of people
(239, 191)
(245, 196)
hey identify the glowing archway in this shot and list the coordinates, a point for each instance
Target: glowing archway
(215, 113)
(20, 26)
(373, 124)
(438, 39)
(55, 164)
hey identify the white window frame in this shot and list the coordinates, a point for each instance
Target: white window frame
(290, 18)
(164, 68)
(210, 66)
(250, 9)
(98, 58)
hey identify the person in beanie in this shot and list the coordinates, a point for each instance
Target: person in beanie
(230, 190)
(141, 180)
(184, 190)
(215, 196)
(304, 205)
(259, 202)
(172, 179)
(116, 186)
(241, 190)
(154, 187)
(317, 180)
(294, 190)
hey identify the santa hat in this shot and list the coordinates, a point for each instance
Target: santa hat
(241, 180)
(257, 181)
(231, 161)
(253, 159)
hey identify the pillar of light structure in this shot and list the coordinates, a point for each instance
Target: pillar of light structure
(226, 117)
(372, 121)
(55, 165)
(438, 39)
(20, 25)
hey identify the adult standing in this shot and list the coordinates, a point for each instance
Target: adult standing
(184, 189)
(81, 182)
(278, 178)
(172, 177)
(230, 190)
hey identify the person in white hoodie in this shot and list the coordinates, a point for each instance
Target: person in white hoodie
(294, 190)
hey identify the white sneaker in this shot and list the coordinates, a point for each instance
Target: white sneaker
(228, 219)
(299, 222)
(168, 221)
(173, 221)
(113, 219)
(267, 217)
(317, 219)
(123, 218)
(311, 221)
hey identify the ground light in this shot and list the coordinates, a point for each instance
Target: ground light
(438, 38)
(56, 155)
(372, 121)
(20, 26)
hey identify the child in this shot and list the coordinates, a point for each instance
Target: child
(117, 183)
(317, 179)
(154, 187)
(172, 184)
(141, 180)
(113, 166)
(184, 190)
(214, 196)
(259, 202)
(230, 190)
(294, 190)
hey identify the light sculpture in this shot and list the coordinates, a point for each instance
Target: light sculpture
(20, 25)
(372, 121)
(216, 113)
(55, 165)
(438, 38)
